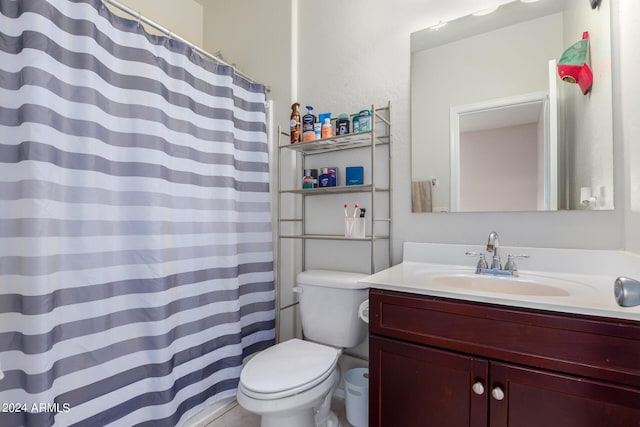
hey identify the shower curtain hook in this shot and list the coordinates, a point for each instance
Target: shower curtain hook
(139, 17)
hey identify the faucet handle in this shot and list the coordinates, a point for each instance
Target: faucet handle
(511, 264)
(482, 261)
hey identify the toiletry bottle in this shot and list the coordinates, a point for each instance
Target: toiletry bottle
(310, 178)
(342, 125)
(355, 125)
(308, 121)
(295, 123)
(365, 120)
(327, 129)
(317, 129)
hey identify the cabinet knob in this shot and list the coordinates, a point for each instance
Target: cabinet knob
(497, 393)
(478, 388)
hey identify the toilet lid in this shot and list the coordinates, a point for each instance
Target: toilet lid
(288, 368)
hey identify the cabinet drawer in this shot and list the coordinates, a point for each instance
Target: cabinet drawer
(602, 348)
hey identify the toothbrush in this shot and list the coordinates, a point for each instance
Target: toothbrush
(355, 210)
(346, 214)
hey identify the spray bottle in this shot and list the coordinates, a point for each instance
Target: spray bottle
(295, 128)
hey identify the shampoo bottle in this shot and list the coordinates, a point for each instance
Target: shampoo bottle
(295, 123)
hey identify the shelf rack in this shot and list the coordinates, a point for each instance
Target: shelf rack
(373, 140)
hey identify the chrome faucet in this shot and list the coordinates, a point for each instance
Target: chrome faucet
(492, 246)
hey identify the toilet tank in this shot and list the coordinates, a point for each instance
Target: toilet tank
(329, 302)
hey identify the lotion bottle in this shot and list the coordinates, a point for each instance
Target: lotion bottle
(308, 123)
(327, 129)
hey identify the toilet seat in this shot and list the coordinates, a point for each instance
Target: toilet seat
(287, 368)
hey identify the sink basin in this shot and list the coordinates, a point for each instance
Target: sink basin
(500, 284)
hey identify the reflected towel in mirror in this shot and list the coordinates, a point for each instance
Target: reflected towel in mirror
(421, 196)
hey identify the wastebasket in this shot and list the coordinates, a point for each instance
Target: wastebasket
(356, 386)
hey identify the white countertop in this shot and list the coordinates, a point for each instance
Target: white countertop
(588, 293)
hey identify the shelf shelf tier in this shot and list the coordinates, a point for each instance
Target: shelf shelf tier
(337, 143)
(332, 237)
(367, 188)
(349, 141)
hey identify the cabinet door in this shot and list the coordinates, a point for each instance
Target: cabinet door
(535, 398)
(413, 385)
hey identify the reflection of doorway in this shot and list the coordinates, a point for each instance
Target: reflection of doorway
(502, 158)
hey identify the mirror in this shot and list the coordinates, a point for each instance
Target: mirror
(494, 128)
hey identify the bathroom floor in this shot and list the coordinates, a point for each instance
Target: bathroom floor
(238, 417)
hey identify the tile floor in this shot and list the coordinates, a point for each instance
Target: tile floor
(238, 417)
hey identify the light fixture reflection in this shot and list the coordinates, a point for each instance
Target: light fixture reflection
(487, 11)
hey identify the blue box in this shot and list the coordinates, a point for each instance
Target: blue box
(328, 177)
(354, 175)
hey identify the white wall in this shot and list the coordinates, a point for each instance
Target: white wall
(186, 21)
(375, 67)
(628, 111)
(591, 164)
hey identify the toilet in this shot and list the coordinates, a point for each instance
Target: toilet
(291, 384)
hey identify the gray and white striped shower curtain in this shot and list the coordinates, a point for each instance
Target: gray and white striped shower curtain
(136, 263)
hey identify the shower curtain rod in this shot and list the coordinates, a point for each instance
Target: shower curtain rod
(173, 35)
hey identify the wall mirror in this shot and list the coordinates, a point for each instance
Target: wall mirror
(494, 128)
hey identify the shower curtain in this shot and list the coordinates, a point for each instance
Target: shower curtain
(136, 261)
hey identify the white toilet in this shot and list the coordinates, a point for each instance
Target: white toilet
(291, 383)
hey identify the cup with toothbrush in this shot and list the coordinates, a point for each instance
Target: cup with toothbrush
(359, 225)
(351, 222)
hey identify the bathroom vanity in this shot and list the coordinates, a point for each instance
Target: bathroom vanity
(448, 356)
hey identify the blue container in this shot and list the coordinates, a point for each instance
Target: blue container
(328, 177)
(354, 175)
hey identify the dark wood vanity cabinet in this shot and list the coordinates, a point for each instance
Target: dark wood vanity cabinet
(449, 363)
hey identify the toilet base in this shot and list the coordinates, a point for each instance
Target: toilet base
(298, 410)
(302, 418)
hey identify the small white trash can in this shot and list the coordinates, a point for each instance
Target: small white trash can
(356, 390)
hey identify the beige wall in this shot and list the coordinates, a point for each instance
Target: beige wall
(499, 169)
(258, 36)
(184, 19)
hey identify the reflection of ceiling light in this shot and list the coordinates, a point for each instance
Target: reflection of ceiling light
(528, 1)
(484, 12)
(437, 26)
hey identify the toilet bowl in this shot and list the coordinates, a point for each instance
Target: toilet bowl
(287, 384)
(291, 384)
